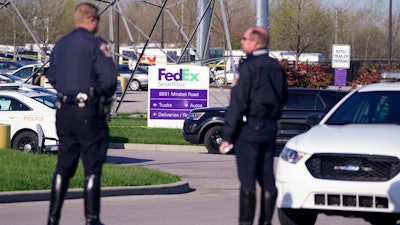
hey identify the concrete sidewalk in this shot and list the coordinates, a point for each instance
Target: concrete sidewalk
(174, 188)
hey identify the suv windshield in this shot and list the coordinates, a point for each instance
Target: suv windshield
(379, 107)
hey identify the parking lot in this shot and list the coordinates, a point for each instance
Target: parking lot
(212, 177)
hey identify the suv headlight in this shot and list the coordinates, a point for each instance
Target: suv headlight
(195, 115)
(291, 156)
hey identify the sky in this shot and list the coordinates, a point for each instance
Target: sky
(364, 3)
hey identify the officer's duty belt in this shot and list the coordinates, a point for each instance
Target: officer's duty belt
(66, 98)
(79, 99)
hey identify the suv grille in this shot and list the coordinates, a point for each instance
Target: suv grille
(353, 167)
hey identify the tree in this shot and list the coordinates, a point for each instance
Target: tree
(239, 16)
(299, 26)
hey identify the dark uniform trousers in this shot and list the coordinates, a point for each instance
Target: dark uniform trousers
(254, 150)
(80, 136)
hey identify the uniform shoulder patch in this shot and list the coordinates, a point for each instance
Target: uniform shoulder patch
(105, 50)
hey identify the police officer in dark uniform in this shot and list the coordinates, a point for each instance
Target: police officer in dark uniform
(250, 127)
(84, 75)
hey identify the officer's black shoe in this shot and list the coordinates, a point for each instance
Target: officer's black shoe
(247, 204)
(268, 200)
(59, 188)
(92, 221)
(92, 199)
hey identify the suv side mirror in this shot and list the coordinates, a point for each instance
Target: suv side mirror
(314, 118)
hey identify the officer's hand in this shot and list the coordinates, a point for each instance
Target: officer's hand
(225, 147)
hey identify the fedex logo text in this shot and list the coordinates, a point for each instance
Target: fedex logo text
(182, 75)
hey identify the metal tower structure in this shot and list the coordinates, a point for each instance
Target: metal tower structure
(205, 10)
(202, 30)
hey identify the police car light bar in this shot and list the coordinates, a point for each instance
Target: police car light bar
(390, 76)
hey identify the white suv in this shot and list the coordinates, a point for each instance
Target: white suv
(348, 164)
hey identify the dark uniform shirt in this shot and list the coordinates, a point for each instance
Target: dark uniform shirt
(260, 92)
(81, 60)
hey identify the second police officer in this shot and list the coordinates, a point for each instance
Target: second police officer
(256, 104)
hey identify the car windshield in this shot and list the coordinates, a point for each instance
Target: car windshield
(48, 100)
(379, 107)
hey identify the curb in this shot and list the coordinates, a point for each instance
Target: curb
(44, 195)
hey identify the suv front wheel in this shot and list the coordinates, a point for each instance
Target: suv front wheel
(212, 139)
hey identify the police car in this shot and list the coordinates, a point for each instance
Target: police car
(349, 163)
(23, 109)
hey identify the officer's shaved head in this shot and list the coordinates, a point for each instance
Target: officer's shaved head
(260, 34)
(85, 14)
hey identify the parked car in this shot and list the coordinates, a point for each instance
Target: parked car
(31, 73)
(140, 78)
(23, 109)
(348, 164)
(7, 66)
(220, 76)
(205, 125)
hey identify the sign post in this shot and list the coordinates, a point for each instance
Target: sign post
(174, 90)
(340, 62)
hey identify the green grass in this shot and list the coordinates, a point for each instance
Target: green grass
(132, 128)
(24, 171)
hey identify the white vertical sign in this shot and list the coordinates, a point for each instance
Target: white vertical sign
(341, 56)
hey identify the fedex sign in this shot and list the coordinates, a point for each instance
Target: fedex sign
(178, 76)
(182, 75)
(174, 90)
